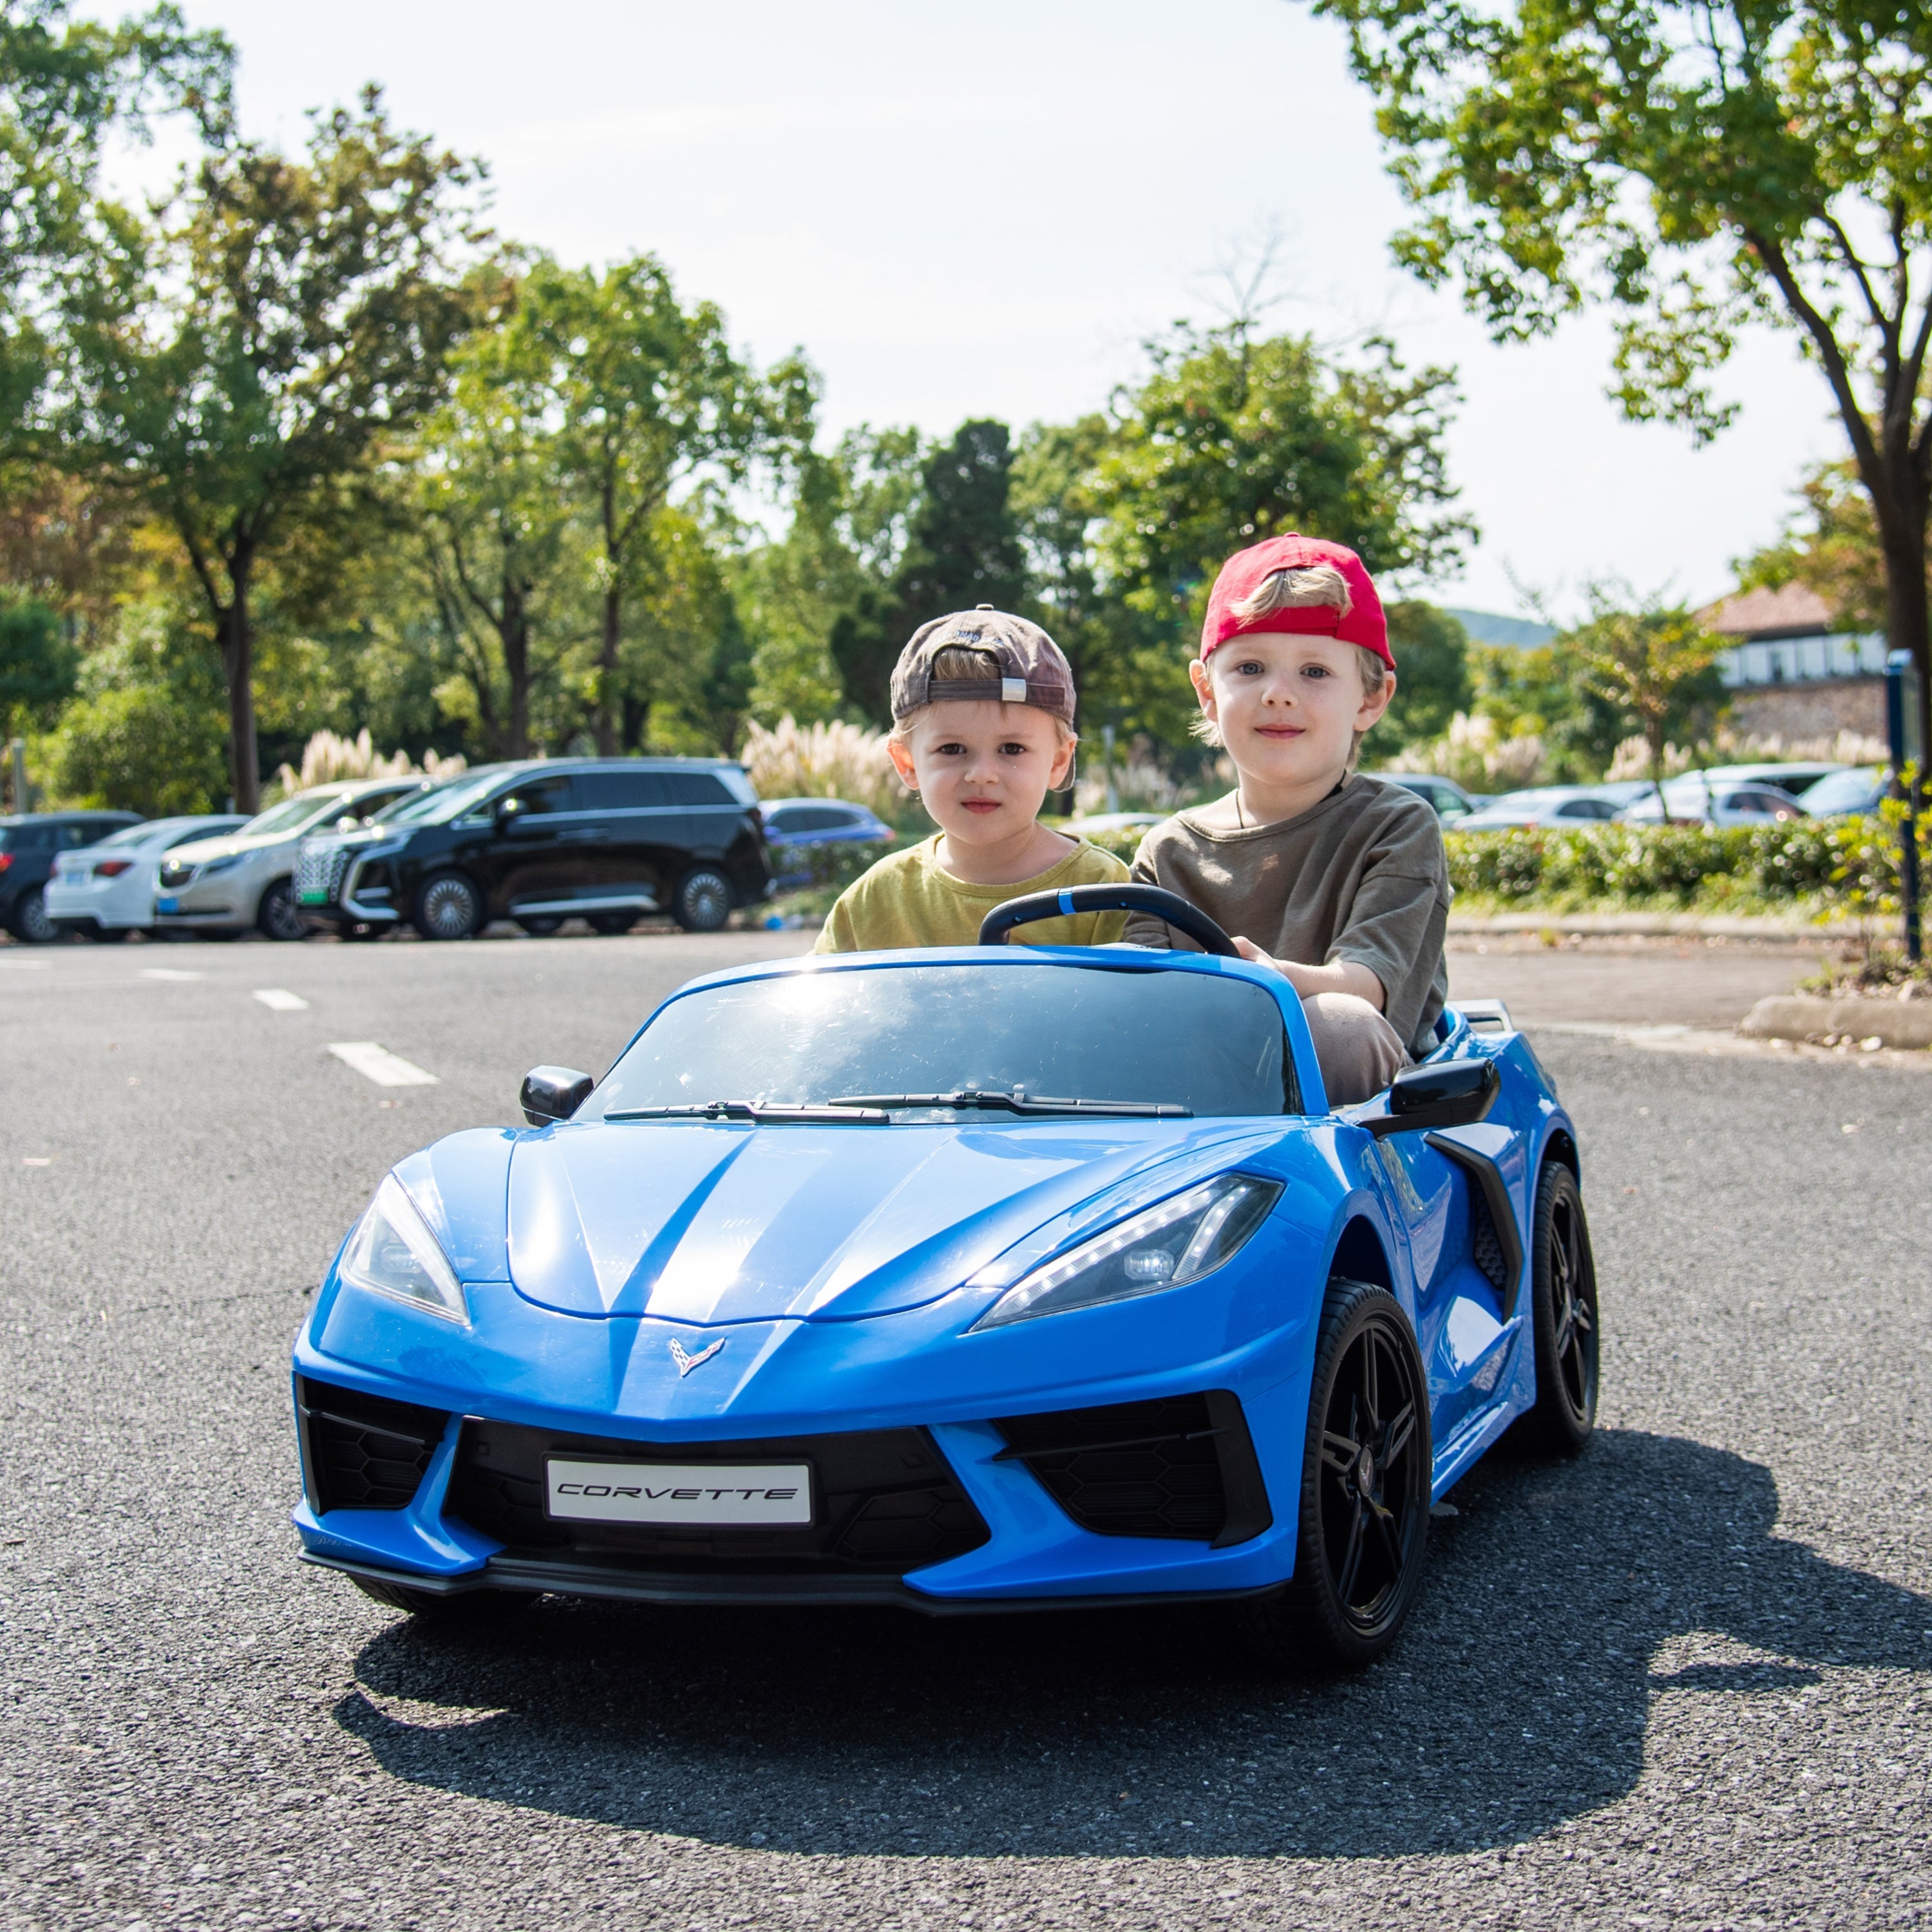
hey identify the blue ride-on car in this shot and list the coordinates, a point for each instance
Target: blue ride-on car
(967, 1279)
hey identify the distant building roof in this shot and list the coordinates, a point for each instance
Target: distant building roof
(1792, 611)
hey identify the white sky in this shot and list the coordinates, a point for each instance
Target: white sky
(983, 210)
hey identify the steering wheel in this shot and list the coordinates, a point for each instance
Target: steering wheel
(1162, 904)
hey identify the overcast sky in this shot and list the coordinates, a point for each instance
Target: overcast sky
(983, 211)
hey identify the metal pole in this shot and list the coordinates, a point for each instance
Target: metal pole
(1901, 717)
(19, 755)
(1107, 762)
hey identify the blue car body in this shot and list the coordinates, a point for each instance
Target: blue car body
(802, 1293)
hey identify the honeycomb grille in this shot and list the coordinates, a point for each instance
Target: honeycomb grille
(1486, 1247)
(1142, 1469)
(319, 870)
(365, 1452)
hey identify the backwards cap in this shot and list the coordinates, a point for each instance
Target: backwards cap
(1244, 573)
(1030, 667)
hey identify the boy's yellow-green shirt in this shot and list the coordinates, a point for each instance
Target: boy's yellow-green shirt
(911, 900)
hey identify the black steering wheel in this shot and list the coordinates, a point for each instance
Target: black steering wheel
(1156, 899)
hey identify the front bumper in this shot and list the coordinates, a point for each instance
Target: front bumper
(1153, 1482)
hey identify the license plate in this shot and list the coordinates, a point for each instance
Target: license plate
(717, 1494)
(315, 898)
(167, 902)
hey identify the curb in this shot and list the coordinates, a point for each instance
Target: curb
(1794, 1016)
(1652, 925)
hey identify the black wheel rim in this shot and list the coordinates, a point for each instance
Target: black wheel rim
(281, 916)
(707, 900)
(1572, 1311)
(1373, 1488)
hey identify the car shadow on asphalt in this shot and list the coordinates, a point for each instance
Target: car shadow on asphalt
(1517, 1697)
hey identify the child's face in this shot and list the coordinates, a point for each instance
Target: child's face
(1288, 707)
(982, 769)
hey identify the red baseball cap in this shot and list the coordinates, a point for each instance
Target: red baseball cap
(1242, 575)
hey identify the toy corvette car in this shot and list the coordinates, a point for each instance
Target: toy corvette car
(967, 1279)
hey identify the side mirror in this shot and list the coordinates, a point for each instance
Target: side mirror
(553, 1093)
(1447, 1093)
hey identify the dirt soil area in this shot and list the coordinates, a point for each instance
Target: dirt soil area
(1628, 982)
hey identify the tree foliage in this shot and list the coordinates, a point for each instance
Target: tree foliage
(1697, 165)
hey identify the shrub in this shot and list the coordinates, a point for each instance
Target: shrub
(825, 761)
(140, 749)
(328, 756)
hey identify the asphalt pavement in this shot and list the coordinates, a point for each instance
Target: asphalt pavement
(1681, 1681)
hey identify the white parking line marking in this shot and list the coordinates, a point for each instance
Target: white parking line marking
(169, 972)
(376, 1062)
(25, 965)
(280, 1000)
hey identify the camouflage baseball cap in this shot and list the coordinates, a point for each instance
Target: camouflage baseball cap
(1031, 668)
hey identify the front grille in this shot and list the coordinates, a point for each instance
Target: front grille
(1486, 1247)
(1182, 1467)
(884, 1501)
(319, 870)
(364, 1451)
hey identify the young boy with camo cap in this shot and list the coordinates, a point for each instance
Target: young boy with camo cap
(1338, 881)
(982, 730)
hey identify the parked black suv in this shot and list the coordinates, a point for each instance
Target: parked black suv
(28, 844)
(543, 841)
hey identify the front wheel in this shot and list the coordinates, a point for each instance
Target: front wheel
(540, 926)
(611, 924)
(448, 907)
(1563, 1314)
(278, 916)
(703, 900)
(1365, 1491)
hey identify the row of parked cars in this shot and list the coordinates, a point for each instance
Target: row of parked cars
(537, 842)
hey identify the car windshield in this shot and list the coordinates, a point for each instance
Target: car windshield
(1190, 1040)
(136, 835)
(292, 814)
(1844, 791)
(447, 801)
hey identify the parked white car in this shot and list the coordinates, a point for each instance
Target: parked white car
(106, 890)
(1704, 798)
(224, 885)
(1561, 806)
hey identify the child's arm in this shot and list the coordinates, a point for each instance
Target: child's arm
(1339, 976)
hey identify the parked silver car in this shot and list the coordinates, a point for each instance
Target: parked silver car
(224, 885)
(1561, 806)
(106, 890)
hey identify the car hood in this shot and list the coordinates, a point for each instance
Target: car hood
(714, 1224)
(203, 850)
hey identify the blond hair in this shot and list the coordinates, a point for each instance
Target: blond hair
(960, 664)
(1305, 585)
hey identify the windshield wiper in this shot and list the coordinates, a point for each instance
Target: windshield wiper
(1019, 1102)
(773, 1114)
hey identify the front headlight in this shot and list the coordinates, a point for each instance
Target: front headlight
(392, 1251)
(1174, 1242)
(227, 865)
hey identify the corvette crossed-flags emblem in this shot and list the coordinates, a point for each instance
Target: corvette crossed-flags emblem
(686, 1363)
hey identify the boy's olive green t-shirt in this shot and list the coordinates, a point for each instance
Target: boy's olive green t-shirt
(911, 900)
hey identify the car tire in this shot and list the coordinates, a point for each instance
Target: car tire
(105, 935)
(1363, 1521)
(448, 907)
(703, 900)
(467, 1609)
(541, 926)
(1563, 1319)
(278, 916)
(611, 924)
(28, 922)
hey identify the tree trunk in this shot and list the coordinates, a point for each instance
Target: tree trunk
(515, 630)
(237, 638)
(1906, 616)
(607, 672)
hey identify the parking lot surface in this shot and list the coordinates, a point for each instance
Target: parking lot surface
(1682, 1682)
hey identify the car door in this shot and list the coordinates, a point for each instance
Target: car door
(530, 866)
(622, 819)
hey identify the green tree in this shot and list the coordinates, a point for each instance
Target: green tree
(38, 665)
(962, 548)
(1654, 661)
(1697, 165)
(236, 363)
(1432, 656)
(1231, 440)
(649, 398)
(1831, 547)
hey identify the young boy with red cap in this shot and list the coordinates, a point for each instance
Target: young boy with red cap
(1338, 881)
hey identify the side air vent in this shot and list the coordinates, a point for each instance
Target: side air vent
(1486, 1247)
(364, 1451)
(1182, 1467)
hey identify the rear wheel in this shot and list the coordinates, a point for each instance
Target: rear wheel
(467, 1609)
(1563, 1312)
(448, 907)
(703, 900)
(278, 916)
(28, 922)
(1365, 1491)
